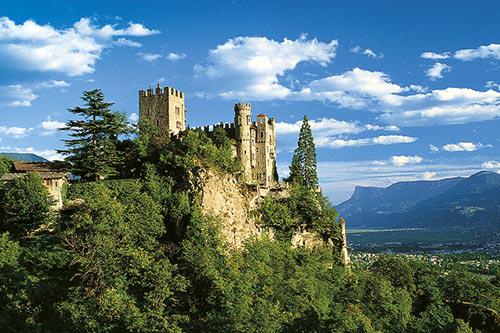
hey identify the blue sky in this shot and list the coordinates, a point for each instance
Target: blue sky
(395, 90)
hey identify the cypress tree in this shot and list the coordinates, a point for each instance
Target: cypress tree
(92, 151)
(304, 164)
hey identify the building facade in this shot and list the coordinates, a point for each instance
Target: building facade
(255, 141)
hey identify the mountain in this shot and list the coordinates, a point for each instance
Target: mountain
(26, 157)
(464, 202)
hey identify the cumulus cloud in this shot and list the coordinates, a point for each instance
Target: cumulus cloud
(336, 143)
(434, 149)
(437, 70)
(149, 57)
(493, 85)
(127, 42)
(491, 165)
(458, 147)
(462, 146)
(481, 52)
(17, 95)
(331, 126)
(435, 56)
(367, 52)
(133, 118)
(356, 89)
(250, 67)
(73, 51)
(401, 160)
(175, 56)
(445, 106)
(14, 132)
(52, 84)
(50, 126)
(429, 175)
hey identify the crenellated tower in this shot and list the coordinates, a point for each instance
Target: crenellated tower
(164, 108)
(244, 146)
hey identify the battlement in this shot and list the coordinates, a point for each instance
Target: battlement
(242, 106)
(211, 128)
(167, 91)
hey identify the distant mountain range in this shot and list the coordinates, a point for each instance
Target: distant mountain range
(26, 157)
(451, 202)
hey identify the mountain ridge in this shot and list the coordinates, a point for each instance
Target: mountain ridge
(457, 201)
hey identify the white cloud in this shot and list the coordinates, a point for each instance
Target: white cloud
(16, 95)
(73, 51)
(481, 52)
(491, 165)
(356, 89)
(250, 67)
(175, 56)
(367, 52)
(50, 126)
(149, 57)
(339, 184)
(14, 132)
(429, 175)
(334, 143)
(401, 160)
(122, 41)
(331, 126)
(53, 84)
(435, 56)
(462, 146)
(434, 149)
(133, 118)
(405, 106)
(493, 85)
(437, 70)
(445, 106)
(458, 147)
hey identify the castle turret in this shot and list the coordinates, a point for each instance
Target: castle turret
(164, 108)
(243, 122)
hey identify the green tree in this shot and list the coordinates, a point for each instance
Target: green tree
(303, 167)
(123, 279)
(5, 165)
(92, 151)
(25, 205)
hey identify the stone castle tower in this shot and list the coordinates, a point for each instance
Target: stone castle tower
(255, 141)
(165, 108)
(255, 145)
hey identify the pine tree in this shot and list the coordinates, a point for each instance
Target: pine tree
(303, 166)
(92, 151)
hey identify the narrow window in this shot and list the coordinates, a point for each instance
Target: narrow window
(177, 110)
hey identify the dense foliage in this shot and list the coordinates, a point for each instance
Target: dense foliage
(110, 265)
(5, 165)
(139, 255)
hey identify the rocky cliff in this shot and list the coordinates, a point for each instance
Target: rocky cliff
(234, 205)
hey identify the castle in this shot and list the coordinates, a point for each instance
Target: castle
(255, 141)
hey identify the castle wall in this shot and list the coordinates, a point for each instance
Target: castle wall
(255, 142)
